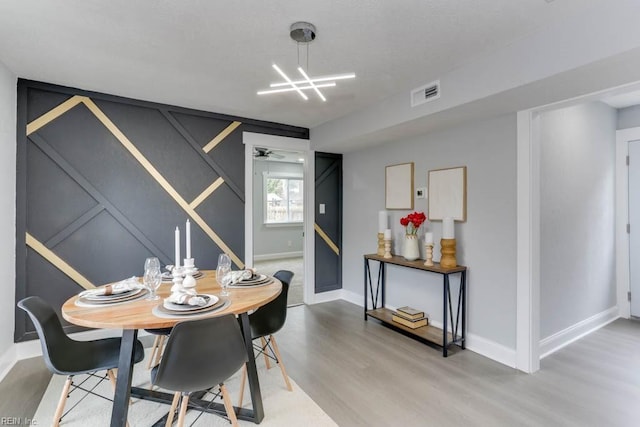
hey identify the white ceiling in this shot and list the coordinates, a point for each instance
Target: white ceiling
(623, 100)
(215, 55)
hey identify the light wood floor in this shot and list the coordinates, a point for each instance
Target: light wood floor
(364, 374)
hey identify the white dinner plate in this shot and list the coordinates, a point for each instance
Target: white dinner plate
(161, 311)
(92, 296)
(130, 296)
(210, 301)
(261, 278)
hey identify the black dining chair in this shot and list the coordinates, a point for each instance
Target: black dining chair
(157, 347)
(200, 355)
(266, 321)
(65, 356)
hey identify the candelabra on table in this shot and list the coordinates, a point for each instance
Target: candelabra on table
(428, 248)
(380, 244)
(387, 248)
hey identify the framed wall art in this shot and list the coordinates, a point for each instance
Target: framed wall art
(448, 194)
(399, 186)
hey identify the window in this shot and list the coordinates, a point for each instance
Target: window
(283, 199)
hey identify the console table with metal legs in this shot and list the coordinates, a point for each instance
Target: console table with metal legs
(427, 334)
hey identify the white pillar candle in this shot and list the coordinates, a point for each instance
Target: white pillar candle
(188, 233)
(382, 221)
(447, 228)
(177, 244)
(387, 234)
(428, 238)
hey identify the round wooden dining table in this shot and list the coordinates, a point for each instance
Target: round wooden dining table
(137, 314)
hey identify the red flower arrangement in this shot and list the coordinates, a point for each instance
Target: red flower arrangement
(412, 222)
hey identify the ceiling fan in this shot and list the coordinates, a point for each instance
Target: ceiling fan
(260, 153)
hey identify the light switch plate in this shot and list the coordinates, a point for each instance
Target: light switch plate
(322, 208)
(421, 193)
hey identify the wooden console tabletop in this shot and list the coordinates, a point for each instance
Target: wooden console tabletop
(419, 264)
(428, 334)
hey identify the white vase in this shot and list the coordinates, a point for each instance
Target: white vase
(410, 247)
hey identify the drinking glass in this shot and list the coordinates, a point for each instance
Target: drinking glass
(151, 263)
(224, 268)
(152, 276)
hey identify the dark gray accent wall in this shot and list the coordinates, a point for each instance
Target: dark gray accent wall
(328, 191)
(87, 199)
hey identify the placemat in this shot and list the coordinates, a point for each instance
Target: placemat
(80, 302)
(158, 312)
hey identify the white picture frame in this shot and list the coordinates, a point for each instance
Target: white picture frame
(448, 193)
(399, 186)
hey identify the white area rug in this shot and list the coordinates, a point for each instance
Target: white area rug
(281, 407)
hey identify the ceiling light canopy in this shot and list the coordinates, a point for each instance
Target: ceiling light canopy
(304, 32)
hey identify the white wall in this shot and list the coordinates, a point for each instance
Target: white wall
(577, 171)
(273, 239)
(486, 243)
(7, 213)
(629, 117)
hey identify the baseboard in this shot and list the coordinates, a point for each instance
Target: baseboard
(353, 297)
(326, 296)
(491, 350)
(7, 361)
(565, 337)
(276, 256)
(475, 343)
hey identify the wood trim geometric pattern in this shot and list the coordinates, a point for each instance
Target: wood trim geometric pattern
(53, 114)
(220, 137)
(326, 174)
(239, 192)
(146, 164)
(326, 239)
(102, 181)
(328, 224)
(206, 193)
(103, 204)
(58, 262)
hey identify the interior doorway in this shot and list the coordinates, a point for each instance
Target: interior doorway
(278, 215)
(634, 222)
(628, 221)
(278, 205)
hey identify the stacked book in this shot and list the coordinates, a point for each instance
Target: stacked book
(410, 317)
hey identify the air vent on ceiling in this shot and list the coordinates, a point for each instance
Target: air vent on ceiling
(425, 93)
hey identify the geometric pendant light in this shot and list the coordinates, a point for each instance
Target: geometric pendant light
(305, 33)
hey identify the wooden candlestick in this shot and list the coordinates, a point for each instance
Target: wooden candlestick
(448, 253)
(428, 247)
(380, 244)
(387, 248)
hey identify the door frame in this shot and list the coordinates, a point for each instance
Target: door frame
(252, 140)
(528, 227)
(623, 137)
(528, 242)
